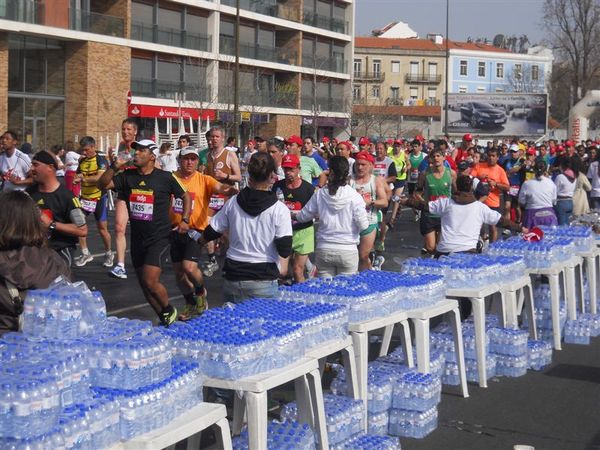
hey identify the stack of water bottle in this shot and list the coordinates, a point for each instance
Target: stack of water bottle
(286, 435)
(65, 380)
(153, 406)
(510, 348)
(543, 313)
(539, 354)
(582, 235)
(442, 340)
(370, 294)
(536, 254)
(468, 271)
(590, 220)
(344, 417)
(321, 322)
(414, 405)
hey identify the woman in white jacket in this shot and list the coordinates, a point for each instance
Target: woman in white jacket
(342, 216)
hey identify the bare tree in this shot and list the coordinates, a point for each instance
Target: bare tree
(574, 31)
(525, 79)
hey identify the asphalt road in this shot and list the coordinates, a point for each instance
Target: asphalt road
(550, 410)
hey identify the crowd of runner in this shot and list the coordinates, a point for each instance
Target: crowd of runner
(272, 203)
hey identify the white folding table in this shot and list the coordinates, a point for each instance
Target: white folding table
(513, 298)
(186, 426)
(591, 260)
(253, 399)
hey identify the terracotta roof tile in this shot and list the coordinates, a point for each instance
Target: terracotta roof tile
(421, 44)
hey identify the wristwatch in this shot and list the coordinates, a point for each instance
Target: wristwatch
(186, 220)
(52, 226)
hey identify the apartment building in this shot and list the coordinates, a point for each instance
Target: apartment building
(78, 67)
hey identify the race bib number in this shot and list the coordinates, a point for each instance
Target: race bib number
(414, 175)
(513, 191)
(293, 206)
(380, 170)
(141, 205)
(177, 204)
(88, 205)
(216, 202)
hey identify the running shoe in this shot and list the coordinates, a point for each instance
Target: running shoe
(210, 268)
(119, 272)
(191, 311)
(83, 259)
(379, 260)
(166, 319)
(109, 259)
(380, 246)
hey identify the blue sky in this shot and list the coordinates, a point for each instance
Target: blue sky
(476, 18)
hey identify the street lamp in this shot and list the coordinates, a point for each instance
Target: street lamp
(236, 76)
(447, 71)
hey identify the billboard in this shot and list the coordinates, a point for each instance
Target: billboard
(498, 114)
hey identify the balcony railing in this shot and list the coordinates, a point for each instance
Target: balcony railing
(272, 54)
(331, 64)
(325, 22)
(267, 7)
(422, 78)
(167, 89)
(369, 76)
(92, 22)
(259, 98)
(28, 11)
(323, 104)
(170, 36)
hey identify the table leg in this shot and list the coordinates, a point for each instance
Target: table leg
(223, 436)
(360, 342)
(554, 305)
(256, 409)
(407, 344)
(530, 309)
(459, 350)
(239, 412)
(478, 304)
(303, 402)
(193, 442)
(579, 292)
(510, 308)
(387, 339)
(351, 375)
(590, 267)
(570, 295)
(422, 337)
(316, 395)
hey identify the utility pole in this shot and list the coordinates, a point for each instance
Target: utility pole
(447, 71)
(236, 76)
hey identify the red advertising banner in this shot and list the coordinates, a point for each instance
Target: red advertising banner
(169, 112)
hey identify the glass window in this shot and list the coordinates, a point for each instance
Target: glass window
(196, 24)
(462, 90)
(499, 70)
(247, 34)
(535, 72)
(322, 50)
(16, 60)
(55, 119)
(395, 93)
(432, 69)
(431, 93)
(339, 11)
(142, 12)
(395, 66)
(414, 68)
(357, 67)
(308, 47)
(355, 92)
(414, 93)
(55, 67)
(463, 68)
(141, 68)
(324, 8)
(227, 28)
(480, 89)
(35, 65)
(168, 71)
(375, 91)
(518, 71)
(169, 18)
(266, 38)
(481, 69)
(376, 67)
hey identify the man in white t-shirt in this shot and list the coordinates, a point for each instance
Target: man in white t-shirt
(14, 164)
(462, 216)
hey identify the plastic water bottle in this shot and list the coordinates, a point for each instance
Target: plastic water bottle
(194, 235)
(280, 196)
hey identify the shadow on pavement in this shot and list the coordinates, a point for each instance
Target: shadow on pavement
(576, 372)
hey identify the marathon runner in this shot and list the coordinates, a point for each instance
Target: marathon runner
(295, 192)
(14, 164)
(129, 130)
(385, 168)
(435, 182)
(92, 199)
(372, 190)
(185, 251)
(222, 165)
(309, 169)
(397, 155)
(60, 210)
(147, 193)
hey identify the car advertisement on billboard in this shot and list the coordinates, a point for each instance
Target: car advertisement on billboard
(498, 114)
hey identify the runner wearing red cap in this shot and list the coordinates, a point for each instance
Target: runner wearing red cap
(462, 152)
(295, 192)
(372, 190)
(309, 169)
